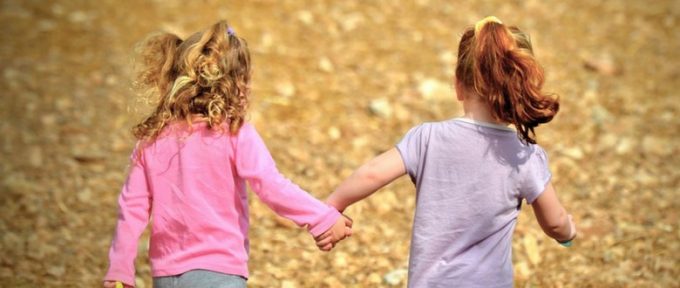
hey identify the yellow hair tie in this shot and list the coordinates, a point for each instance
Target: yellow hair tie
(480, 24)
(180, 82)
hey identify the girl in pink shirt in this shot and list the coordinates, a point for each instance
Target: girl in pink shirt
(189, 170)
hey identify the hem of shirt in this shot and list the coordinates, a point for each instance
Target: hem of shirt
(328, 221)
(122, 277)
(177, 270)
(403, 160)
(545, 184)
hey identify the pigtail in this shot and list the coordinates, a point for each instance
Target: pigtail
(157, 54)
(156, 74)
(498, 63)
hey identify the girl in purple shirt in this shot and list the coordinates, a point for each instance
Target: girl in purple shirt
(472, 173)
(190, 168)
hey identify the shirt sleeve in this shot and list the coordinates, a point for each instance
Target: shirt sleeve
(412, 147)
(537, 175)
(255, 164)
(133, 217)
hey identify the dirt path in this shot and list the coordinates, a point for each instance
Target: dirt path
(335, 84)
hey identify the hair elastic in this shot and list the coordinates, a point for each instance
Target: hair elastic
(180, 82)
(480, 24)
(231, 32)
(566, 243)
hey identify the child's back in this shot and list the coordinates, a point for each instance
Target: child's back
(196, 195)
(192, 182)
(471, 178)
(472, 173)
(194, 156)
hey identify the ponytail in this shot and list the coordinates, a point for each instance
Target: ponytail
(497, 63)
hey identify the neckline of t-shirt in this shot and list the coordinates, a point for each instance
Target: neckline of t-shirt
(484, 124)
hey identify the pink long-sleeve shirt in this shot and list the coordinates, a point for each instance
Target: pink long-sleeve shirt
(192, 184)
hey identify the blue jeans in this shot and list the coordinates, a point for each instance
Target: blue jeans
(200, 279)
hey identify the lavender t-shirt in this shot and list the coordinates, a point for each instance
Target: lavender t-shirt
(470, 179)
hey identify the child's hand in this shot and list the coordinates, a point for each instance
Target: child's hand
(572, 228)
(340, 230)
(112, 284)
(572, 233)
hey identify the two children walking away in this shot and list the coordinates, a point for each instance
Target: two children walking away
(196, 153)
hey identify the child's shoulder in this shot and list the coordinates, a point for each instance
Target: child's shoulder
(246, 129)
(245, 134)
(432, 126)
(538, 151)
(425, 126)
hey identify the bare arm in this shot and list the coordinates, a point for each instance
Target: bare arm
(370, 177)
(552, 217)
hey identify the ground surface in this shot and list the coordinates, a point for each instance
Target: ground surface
(335, 83)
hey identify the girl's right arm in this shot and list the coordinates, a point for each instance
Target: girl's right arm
(134, 208)
(552, 217)
(370, 177)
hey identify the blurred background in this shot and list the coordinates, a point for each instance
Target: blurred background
(335, 83)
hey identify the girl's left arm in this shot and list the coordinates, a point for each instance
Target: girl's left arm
(255, 164)
(370, 177)
(133, 216)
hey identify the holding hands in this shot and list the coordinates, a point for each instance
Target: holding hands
(339, 231)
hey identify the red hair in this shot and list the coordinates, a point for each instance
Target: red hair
(497, 64)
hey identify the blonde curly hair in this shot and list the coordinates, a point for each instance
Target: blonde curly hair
(207, 76)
